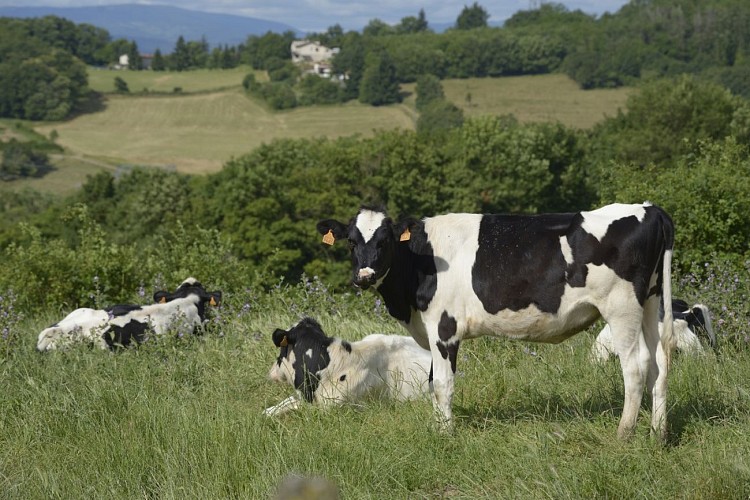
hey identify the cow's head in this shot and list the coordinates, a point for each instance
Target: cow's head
(372, 238)
(303, 353)
(191, 286)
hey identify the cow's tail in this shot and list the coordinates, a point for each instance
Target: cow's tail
(668, 340)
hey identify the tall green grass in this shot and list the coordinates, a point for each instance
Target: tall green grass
(181, 418)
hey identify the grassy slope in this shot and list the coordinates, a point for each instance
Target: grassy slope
(183, 419)
(198, 131)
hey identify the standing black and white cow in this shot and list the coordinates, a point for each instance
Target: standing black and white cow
(91, 325)
(538, 278)
(329, 371)
(689, 324)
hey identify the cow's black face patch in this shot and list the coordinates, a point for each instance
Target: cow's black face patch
(372, 245)
(309, 344)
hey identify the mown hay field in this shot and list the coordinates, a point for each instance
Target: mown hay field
(198, 130)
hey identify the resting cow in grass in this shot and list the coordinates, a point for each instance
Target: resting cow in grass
(182, 311)
(689, 325)
(329, 371)
(539, 278)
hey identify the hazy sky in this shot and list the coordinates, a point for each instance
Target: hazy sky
(318, 15)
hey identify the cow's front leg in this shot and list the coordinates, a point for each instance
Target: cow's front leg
(289, 404)
(444, 344)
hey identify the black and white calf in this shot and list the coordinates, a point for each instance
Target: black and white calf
(539, 278)
(330, 371)
(690, 323)
(184, 309)
(180, 312)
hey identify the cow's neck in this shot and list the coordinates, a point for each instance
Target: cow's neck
(412, 271)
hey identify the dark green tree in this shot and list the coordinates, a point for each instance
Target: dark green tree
(428, 89)
(158, 63)
(180, 58)
(121, 86)
(472, 17)
(411, 24)
(135, 61)
(379, 85)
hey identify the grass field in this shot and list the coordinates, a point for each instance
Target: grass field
(181, 418)
(202, 80)
(539, 98)
(198, 132)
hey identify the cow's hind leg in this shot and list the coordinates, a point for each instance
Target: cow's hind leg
(634, 358)
(658, 367)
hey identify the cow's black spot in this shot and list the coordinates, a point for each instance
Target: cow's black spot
(519, 262)
(446, 327)
(448, 351)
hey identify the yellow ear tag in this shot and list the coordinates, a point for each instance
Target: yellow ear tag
(163, 300)
(328, 238)
(406, 235)
(212, 302)
(284, 342)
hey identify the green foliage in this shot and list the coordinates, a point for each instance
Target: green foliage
(428, 89)
(316, 90)
(259, 50)
(379, 85)
(121, 86)
(439, 115)
(279, 95)
(472, 17)
(706, 192)
(668, 118)
(22, 159)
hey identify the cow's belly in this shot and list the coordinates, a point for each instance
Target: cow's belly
(531, 324)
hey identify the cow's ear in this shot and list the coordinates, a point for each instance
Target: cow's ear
(331, 230)
(281, 338)
(160, 297)
(215, 299)
(402, 229)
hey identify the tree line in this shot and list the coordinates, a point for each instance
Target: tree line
(43, 74)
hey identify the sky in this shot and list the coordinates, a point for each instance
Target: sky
(318, 15)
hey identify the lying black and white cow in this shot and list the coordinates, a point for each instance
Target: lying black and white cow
(539, 278)
(690, 323)
(182, 310)
(330, 371)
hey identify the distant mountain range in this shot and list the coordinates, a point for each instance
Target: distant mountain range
(158, 26)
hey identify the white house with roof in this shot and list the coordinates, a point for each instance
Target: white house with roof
(311, 51)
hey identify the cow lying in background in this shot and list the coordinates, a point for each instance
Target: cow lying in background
(330, 371)
(690, 323)
(182, 311)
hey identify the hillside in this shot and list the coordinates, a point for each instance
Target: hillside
(158, 26)
(198, 133)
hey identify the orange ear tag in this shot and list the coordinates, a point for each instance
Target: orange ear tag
(406, 235)
(284, 342)
(328, 238)
(163, 300)
(212, 302)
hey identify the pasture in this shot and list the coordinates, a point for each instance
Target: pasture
(181, 417)
(200, 80)
(212, 120)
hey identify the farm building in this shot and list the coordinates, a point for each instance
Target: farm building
(311, 51)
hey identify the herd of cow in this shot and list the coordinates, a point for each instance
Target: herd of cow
(540, 278)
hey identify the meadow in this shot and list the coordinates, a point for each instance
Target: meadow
(213, 120)
(181, 418)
